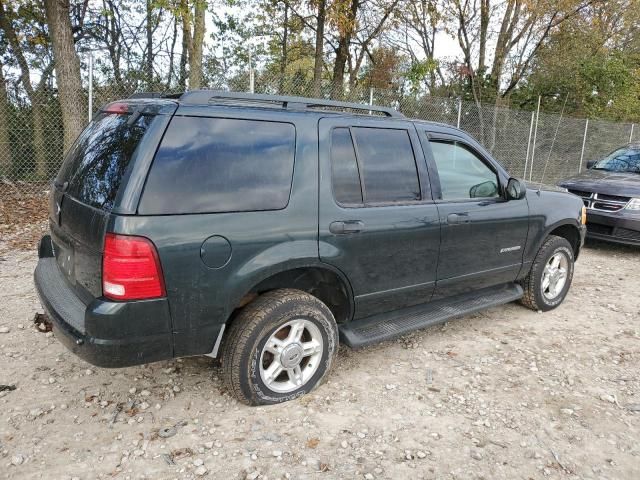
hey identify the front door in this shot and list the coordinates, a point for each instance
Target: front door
(377, 221)
(483, 234)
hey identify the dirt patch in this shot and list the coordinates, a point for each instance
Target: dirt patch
(23, 214)
(507, 393)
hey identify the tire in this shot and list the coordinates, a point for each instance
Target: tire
(544, 299)
(278, 329)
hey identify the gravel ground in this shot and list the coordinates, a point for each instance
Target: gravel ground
(507, 393)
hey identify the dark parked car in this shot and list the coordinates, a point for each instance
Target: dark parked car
(610, 189)
(265, 229)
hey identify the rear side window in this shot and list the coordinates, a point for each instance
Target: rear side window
(220, 165)
(96, 163)
(381, 170)
(388, 166)
(344, 168)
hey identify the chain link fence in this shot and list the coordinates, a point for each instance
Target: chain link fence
(538, 147)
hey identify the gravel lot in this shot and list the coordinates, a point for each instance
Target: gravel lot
(508, 393)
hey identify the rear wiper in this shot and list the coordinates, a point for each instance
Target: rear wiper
(135, 116)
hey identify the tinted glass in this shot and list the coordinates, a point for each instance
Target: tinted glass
(97, 161)
(622, 160)
(462, 174)
(220, 165)
(388, 165)
(344, 168)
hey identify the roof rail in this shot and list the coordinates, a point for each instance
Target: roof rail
(200, 97)
(146, 95)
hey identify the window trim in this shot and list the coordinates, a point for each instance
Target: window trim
(350, 126)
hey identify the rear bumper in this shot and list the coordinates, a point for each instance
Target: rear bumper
(614, 227)
(104, 333)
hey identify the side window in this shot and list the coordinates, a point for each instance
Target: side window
(221, 165)
(462, 173)
(388, 165)
(344, 168)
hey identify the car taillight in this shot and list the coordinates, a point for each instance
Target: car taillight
(131, 268)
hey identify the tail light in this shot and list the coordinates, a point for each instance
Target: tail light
(131, 269)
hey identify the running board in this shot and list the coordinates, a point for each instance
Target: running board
(386, 326)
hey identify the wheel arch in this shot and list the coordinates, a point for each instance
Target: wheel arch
(569, 232)
(318, 279)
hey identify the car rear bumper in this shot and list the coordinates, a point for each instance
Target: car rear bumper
(614, 227)
(104, 333)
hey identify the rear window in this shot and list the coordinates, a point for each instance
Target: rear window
(209, 165)
(96, 163)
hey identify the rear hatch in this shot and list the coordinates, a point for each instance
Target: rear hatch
(89, 186)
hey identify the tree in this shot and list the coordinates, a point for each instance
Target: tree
(5, 146)
(67, 67)
(192, 40)
(35, 95)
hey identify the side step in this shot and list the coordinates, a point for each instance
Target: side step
(378, 328)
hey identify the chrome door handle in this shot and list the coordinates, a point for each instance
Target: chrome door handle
(345, 227)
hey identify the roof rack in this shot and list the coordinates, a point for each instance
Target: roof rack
(199, 97)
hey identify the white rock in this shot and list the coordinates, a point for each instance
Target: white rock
(208, 445)
(198, 461)
(277, 453)
(4, 329)
(200, 471)
(421, 454)
(17, 459)
(368, 476)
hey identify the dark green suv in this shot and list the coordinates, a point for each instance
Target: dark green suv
(266, 229)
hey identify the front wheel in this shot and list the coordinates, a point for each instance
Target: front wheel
(279, 347)
(549, 279)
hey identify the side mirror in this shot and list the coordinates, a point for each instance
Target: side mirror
(484, 190)
(591, 163)
(516, 190)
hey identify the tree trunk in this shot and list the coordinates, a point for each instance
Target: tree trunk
(484, 27)
(172, 51)
(342, 53)
(37, 122)
(5, 145)
(149, 53)
(195, 52)
(67, 67)
(285, 50)
(319, 53)
(185, 16)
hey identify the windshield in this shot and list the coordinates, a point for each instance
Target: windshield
(626, 159)
(97, 161)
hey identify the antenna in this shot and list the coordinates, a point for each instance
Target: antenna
(553, 141)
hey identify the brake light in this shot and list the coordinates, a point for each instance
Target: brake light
(116, 107)
(131, 268)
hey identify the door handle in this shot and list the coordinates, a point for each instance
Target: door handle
(348, 226)
(458, 218)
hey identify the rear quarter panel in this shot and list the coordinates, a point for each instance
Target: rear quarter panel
(262, 243)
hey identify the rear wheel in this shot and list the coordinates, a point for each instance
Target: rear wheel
(549, 279)
(279, 347)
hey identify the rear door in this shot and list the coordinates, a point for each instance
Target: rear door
(377, 220)
(87, 189)
(483, 234)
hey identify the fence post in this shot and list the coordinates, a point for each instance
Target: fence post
(535, 137)
(90, 85)
(459, 111)
(526, 159)
(584, 142)
(251, 79)
(631, 134)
